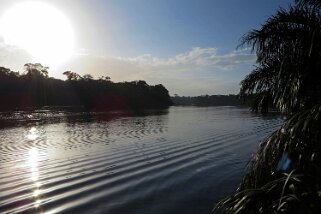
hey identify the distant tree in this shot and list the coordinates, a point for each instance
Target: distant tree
(105, 78)
(4, 71)
(87, 77)
(36, 69)
(140, 83)
(72, 75)
(33, 90)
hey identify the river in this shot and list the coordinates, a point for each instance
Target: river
(179, 160)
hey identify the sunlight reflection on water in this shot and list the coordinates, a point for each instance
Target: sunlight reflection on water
(33, 135)
(130, 164)
(33, 164)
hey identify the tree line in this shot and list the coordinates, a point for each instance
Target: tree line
(207, 100)
(35, 89)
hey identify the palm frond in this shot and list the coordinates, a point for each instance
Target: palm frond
(285, 174)
(310, 3)
(267, 188)
(288, 55)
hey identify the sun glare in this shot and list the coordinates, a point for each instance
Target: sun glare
(40, 29)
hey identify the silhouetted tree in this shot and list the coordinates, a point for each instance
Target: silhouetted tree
(36, 69)
(7, 73)
(213, 100)
(104, 78)
(72, 75)
(35, 89)
(285, 176)
(87, 77)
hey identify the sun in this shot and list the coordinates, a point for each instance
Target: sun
(40, 29)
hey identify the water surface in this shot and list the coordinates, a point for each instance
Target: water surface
(179, 160)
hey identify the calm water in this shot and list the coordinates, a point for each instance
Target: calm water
(180, 160)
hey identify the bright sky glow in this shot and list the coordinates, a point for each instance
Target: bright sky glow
(40, 29)
(189, 46)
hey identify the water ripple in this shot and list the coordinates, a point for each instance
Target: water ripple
(84, 165)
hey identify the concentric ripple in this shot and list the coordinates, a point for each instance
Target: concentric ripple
(181, 161)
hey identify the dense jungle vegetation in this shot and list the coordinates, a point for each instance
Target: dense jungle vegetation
(35, 89)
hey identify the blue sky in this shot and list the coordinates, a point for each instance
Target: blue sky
(168, 27)
(186, 45)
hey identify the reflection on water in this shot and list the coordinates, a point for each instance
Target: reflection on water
(32, 135)
(175, 161)
(33, 164)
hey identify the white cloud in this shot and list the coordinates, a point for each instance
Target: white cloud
(13, 57)
(196, 57)
(197, 71)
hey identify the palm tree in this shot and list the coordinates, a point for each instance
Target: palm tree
(288, 53)
(310, 3)
(285, 174)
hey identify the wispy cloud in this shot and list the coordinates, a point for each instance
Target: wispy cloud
(196, 57)
(197, 71)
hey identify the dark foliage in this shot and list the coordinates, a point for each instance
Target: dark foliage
(34, 89)
(285, 174)
(288, 53)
